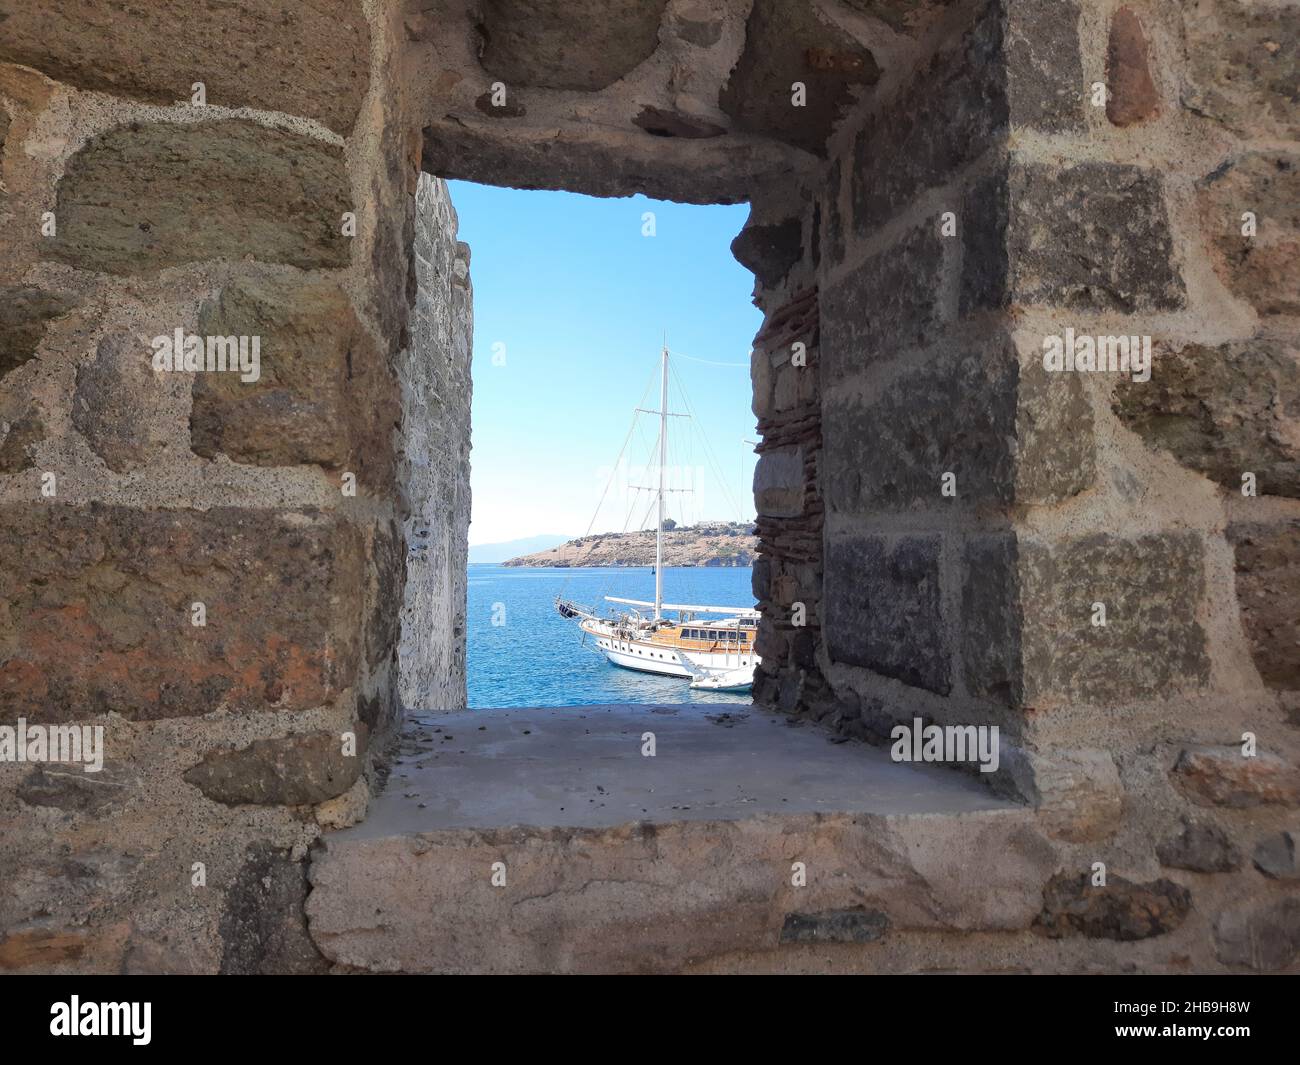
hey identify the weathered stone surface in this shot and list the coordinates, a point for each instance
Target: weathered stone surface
(1258, 268)
(1241, 65)
(639, 880)
(306, 59)
(779, 486)
(1007, 435)
(1091, 236)
(902, 16)
(1224, 411)
(25, 311)
(144, 197)
(324, 394)
(1027, 610)
(112, 406)
(835, 926)
(1131, 95)
(787, 43)
(889, 305)
(1259, 935)
(1202, 848)
(560, 44)
(1077, 794)
(1275, 856)
(1223, 776)
(1017, 66)
(769, 250)
(663, 123)
(1268, 588)
(95, 610)
(76, 791)
(1121, 910)
(21, 429)
(263, 929)
(296, 770)
(883, 609)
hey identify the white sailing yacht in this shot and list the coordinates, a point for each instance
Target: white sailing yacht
(715, 652)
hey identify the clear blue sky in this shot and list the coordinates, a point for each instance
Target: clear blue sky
(581, 300)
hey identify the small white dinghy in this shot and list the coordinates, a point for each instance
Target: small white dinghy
(725, 680)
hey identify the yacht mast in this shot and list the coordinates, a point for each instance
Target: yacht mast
(663, 461)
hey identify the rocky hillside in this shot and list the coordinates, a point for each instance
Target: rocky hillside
(706, 544)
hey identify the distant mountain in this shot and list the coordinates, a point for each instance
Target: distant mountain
(713, 543)
(498, 553)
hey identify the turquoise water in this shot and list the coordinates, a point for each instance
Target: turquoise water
(537, 658)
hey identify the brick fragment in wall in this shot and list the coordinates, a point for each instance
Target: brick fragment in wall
(1240, 66)
(96, 608)
(883, 608)
(303, 59)
(325, 393)
(788, 43)
(1131, 94)
(1224, 411)
(1028, 609)
(1267, 563)
(1259, 191)
(129, 201)
(1005, 429)
(1017, 66)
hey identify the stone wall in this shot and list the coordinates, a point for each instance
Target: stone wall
(436, 390)
(212, 569)
(1115, 213)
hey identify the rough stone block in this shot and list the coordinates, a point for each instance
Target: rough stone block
(112, 406)
(1121, 910)
(1260, 269)
(95, 610)
(1241, 63)
(1268, 589)
(324, 394)
(1224, 776)
(298, 770)
(1224, 411)
(787, 43)
(25, 312)
(562, 44)
(779, 486)
(263, 928)
(1262, 935)
(1008, 431)
(142, 198)
(1093, 236)
(1077, 794)
(884, 609)
(1202, 848)
(277, 55)
(1275, 856)
(1028, 633)
(884, 308)
(1017, 66)
(769, 251)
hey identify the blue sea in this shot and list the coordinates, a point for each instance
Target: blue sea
(537, 658)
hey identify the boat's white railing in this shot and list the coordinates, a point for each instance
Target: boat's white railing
(737, 611)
